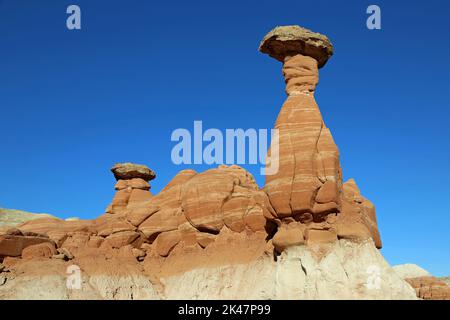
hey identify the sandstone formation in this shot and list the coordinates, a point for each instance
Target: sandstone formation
(127, 171)
(410, 270)
(297, 274)
(446, 280)
(430, 288)
(11, 218)
(291, 40)
(426, 286)
(132, 186)
(13, 242)
(308, 186)
(216, 234)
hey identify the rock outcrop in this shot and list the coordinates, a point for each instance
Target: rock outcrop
(426, 286)
(430, 288)
(11, 218)
(308, 186)
(132, 186)
(410, 270)
(446, 280)
(194, 207)
(343, 272)
(13, 242)
(129, 171)
(216, 234)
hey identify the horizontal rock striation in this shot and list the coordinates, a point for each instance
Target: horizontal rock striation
(430, 288)
(308, 186)
(305, 235)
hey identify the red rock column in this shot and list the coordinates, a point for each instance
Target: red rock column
(132, 187)
(308, 183)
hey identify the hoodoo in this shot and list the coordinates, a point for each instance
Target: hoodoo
(216, 234)
(308, 186)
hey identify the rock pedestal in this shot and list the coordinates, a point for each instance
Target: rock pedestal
(132, 186)
(308, 185)
(216, 234)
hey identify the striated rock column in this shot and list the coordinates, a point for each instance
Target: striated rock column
(308, 183)
(132, 186)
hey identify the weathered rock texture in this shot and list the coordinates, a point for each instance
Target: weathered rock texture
(446, 280)
(410, 270)
(127, 171)
(342, 272)
(11, 218)
(286, 41)
(430, 288)
(216, 234)
(426, 286)
(308, 186)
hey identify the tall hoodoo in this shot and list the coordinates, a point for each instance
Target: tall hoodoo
(132, 186)
(308, 185)
(309, 181)
(216, 234)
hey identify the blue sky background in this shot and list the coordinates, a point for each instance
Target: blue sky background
(75, 102)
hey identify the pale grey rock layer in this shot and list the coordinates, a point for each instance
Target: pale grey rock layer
(349, 270)
(410, 270)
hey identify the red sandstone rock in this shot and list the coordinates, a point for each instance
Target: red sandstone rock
(430, 288)
(328, 193)
(135, 183)
(308, 185)
(204, 239)
(318, 236)
(59, 236)
(121, 239)
(137, 197)
(254, 219)
(288, 236)
(220, 217)
(14, 232)
(305, 203)
(42, 250)
(42, 225)
(203, 197)
(189, 238)
(357, 209)
(166, 241)
(138, 183)
(76, 240)
(225, 196)
(95, 241)
(138, 215)
(132, 187)
(120, 202)
(233, 213)
(352, 231)
(308, 157)
(110, 226)
(161, 221)
(13, 245)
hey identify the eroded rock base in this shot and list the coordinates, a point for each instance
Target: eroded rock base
(342, 270)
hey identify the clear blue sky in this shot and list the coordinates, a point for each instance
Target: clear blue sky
(75, 102)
